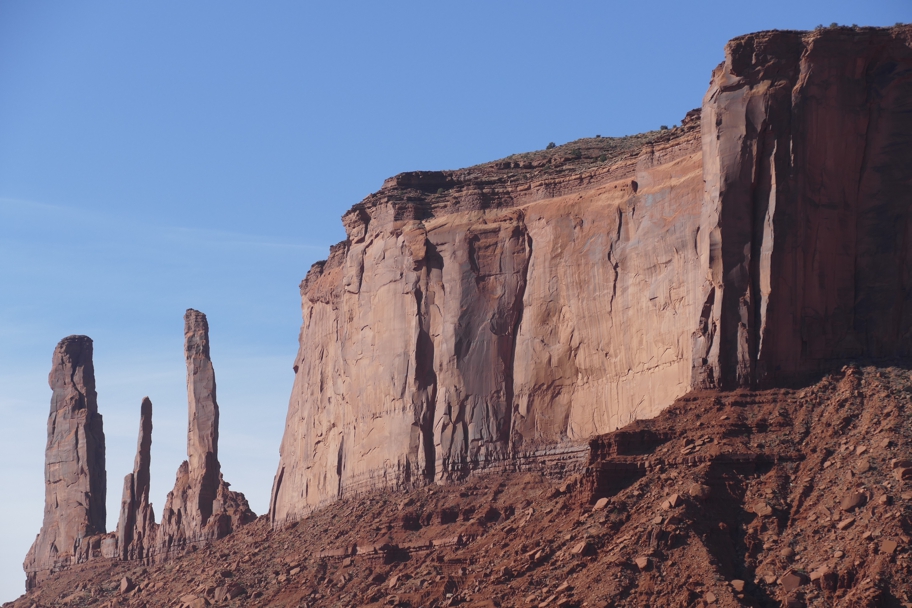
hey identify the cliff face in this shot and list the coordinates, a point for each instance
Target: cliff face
(499, 315)
(519, 310)
(805, 234)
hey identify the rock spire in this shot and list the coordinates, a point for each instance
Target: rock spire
(74, 470)
(203, 414)
(136, 527)
(200, 508)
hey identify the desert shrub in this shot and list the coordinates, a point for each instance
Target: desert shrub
(551, 146)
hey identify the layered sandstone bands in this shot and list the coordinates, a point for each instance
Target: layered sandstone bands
(74, 471)
(438, 341)
(486, 316)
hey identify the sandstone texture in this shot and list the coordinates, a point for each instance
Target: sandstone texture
(497, 316)
(624, 528)
(501, 315)
(136, 528)
(74, 470)
(200, 508)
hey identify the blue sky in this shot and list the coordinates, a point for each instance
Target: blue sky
(160, 156)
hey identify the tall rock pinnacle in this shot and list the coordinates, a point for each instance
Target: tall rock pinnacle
(202, 432)
(200, 508)
(74, 470)
(136, 526)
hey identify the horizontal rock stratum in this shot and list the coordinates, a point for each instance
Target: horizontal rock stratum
(496, 316)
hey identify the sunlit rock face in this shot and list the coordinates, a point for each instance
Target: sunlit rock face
(499, 315)
(502, 317)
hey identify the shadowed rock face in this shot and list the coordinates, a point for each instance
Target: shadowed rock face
(200, 508)
(136, 527)
(74, 470)
(501, 314)
(805, 234)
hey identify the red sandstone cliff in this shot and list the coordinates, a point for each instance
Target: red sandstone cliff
(500, 315)
(805, 229)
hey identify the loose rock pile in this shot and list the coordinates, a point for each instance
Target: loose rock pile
(770, 498)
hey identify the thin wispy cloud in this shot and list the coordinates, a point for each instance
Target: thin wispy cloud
(128, 228)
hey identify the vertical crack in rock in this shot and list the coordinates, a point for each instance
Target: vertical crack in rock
(430, 266)
(136, 527)
(806, 162)
(519, 306)
(794, 183)
(74, 470)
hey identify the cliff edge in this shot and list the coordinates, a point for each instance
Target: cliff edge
(500, 316)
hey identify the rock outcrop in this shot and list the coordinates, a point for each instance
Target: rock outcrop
(805, 233)
(498, 315)
(74, 470)
(136, 528)
(200, 508)
(515, 313)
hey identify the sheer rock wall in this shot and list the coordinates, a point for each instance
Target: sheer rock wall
(498, 315)
(806, 235)
(492, 323)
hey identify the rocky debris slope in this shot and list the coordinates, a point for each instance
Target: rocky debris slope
(136, 528)
(200, 508)
(781, 497)
(74, 471)
(489, 316)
